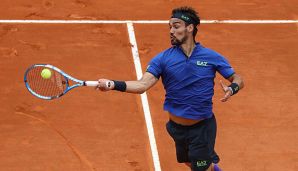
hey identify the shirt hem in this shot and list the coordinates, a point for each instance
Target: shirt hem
(192, 118)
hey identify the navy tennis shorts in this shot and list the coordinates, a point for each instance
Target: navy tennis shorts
(195, 143)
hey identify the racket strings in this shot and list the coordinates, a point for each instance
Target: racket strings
(50, 87)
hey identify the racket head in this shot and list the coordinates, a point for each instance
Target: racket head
(48, 88)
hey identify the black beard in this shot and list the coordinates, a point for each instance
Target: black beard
(177, 42)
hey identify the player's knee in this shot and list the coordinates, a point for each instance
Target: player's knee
(187, 164)
(200, 165)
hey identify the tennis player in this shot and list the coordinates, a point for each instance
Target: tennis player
(187, 70)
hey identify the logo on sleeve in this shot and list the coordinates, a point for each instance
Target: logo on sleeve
(202, 63)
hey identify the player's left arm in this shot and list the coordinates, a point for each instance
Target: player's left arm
(236, 85)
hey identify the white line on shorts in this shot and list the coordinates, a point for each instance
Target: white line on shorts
(138, 67)
(146, 21)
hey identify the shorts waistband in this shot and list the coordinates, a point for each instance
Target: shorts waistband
(189, 126)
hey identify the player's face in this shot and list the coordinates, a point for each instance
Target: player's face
(178, 31)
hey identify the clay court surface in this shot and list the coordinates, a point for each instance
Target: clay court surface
(87, 130)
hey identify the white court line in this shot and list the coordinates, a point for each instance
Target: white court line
(146, 21)
(138, 67)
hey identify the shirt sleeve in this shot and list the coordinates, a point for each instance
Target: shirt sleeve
(154, 67)
(223, 67)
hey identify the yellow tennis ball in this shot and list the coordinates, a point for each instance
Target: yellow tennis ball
(46, 73)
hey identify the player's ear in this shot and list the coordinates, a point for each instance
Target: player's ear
(190, 28)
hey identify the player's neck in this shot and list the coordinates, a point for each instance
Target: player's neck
(188, 47)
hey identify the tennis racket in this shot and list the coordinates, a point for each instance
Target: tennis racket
(55, 86)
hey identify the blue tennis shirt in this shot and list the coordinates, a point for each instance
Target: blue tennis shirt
(189, 82)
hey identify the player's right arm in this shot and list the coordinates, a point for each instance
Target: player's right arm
(142, 85)
(151, 76)
(137, 87)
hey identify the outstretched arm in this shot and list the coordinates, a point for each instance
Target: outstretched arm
(138, 87)
(237, 84)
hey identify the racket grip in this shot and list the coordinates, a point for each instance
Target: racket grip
(91, 83)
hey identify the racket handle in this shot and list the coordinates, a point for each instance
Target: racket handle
(91, 83)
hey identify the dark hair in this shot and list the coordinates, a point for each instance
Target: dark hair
(189, 11)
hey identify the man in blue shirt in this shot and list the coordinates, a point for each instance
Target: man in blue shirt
(187, 70)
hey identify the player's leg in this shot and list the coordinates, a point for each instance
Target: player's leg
(188, 164)
(178, 133)
(201, 147)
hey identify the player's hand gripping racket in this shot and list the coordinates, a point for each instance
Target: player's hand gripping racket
(49, 82)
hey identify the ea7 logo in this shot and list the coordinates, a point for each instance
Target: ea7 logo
(201, 163)
(201, 63)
